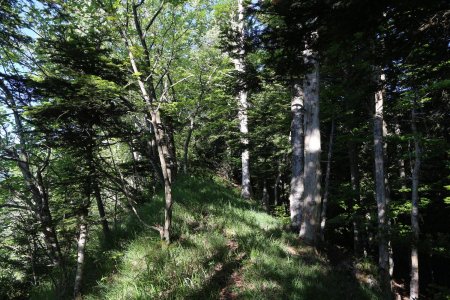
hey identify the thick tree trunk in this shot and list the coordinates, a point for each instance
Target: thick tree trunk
(380, 193)
(242, 102)
(323, 214)
(310, 226)
(81, 251)
(356, 198)
(414, 284)
(297, 141)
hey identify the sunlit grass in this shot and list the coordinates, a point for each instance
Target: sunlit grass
(223, 247)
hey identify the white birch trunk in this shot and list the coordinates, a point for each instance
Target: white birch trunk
(297, 141)
(310, 225)
(242, 101)
(414, 284)
(81, 251)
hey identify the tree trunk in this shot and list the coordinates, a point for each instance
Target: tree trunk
(356, 198)
(170, 142)
(414, 284)
(242, 102)
(380, 193)
(265, 197)
(388, 200)
(81, 251)
(323, 216)
(101, 209)
(186, 145)
(401, 164)
(276, 194)
(158, 130)
(297, 141)
(38, 204)
(310, 226)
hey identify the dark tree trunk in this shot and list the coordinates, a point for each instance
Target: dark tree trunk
(356, 198)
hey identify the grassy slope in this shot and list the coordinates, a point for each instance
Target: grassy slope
(224, 248)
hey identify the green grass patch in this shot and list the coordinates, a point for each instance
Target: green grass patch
(224, 247)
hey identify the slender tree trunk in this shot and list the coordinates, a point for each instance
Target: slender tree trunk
(380, 193)
(242, 102)
(414, 284)
(276, 194)
(297, 141)
(265, 196)
(170, 142)
(162, 148)
(39, 204)
(155, 118)
(323, 214)
(310, 226)
(101, 209)
(356, 198)
(186, 145)
(81, 251)
(158, 129)
(388, 200)
(401, 163)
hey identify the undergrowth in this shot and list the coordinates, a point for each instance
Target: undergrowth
(224, 248)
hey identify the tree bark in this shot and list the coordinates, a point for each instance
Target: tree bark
(39, 203)
(265, 197)
(297, 141)
(380, 193)
(414, 284)
(310, 225)
(356, 198)
(101, 210)
(155, 119)
(276, 194)
(242, 101)
(323, 214)
(401, 163)
(81, 251)
(186, 145)
(170, 142)
(388, 200)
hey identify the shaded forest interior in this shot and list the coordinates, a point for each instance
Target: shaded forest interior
(224, 149)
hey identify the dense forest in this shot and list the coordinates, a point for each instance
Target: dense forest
(226, 149)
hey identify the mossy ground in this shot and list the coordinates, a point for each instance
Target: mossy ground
(223, 248)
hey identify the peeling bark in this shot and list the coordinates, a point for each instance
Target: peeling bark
(242, 102)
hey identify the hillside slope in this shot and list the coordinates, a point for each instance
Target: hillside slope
(224, 248)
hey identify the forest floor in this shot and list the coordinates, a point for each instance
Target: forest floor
(223, 248)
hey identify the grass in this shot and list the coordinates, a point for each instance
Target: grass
(224, 248)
